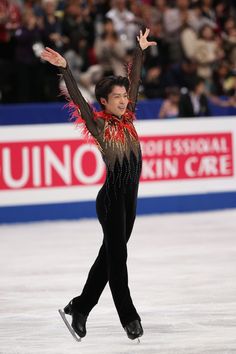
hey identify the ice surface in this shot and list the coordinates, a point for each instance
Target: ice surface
(182, 271)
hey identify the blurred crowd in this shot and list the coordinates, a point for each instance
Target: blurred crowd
(196, 47)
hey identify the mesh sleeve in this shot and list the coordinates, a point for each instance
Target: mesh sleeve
(77, 98)
(134, 77)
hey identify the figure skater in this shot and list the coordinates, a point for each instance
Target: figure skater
(114, 133)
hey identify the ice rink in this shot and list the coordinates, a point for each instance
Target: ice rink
(182, 276)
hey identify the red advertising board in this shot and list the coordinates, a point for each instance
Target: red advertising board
(40, 164)
(187, 156)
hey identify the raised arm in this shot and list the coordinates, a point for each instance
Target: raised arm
(136, 67)
(86, 112)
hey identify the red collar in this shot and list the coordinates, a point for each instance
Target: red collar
(128, 115)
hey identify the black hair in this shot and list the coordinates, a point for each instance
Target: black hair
(195, 82)
(172, 91)
(105, 34)
(202, 29)
(107, 20)
(104, 87)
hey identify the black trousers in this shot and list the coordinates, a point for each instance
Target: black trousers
(116, 210)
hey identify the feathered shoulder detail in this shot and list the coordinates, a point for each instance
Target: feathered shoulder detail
(114, 127)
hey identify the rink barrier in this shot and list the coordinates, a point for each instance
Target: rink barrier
(50, 172)
(49, 113)
(152, 205)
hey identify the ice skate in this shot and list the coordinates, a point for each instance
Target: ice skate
(78, 325)
(73, 333)
(134, 329)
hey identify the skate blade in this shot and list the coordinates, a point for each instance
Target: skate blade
(73, 333)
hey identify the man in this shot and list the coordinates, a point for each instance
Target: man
(194, 103)
(114, 133)
(124, 22)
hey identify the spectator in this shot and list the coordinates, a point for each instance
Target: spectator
(194, 103)
(52, 37)
(229, 40)
(10, 20)
(78, 26)
(161, 7)
(170, 106)
(183, 75)
(155, 83)
(207, 52)
(51, 24)
(188, 39)
(124, 22)
(222, 11)
(230, 85)
(174, 19)
(220, 78)
(149, 15)
(29, 67)
(193, 36)
(208, 11)
(110, 51)
(158, 55)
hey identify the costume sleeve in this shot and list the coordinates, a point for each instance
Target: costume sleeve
(134, 77)
(81, 104)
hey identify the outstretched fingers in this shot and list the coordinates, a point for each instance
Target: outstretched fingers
(143, 41)
(51, 50)
(146, 33)
(46, 55)
(49, 54)
(141, 35)
(53, 57)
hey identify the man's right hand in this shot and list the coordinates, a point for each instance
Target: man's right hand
(53, 57)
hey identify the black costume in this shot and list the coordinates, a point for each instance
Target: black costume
(116, 201)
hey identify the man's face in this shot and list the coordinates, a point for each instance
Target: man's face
(120, 4)
(183, 4)
(117, 101)
(200, 88)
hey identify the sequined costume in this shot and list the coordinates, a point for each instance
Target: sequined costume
(116, 201)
